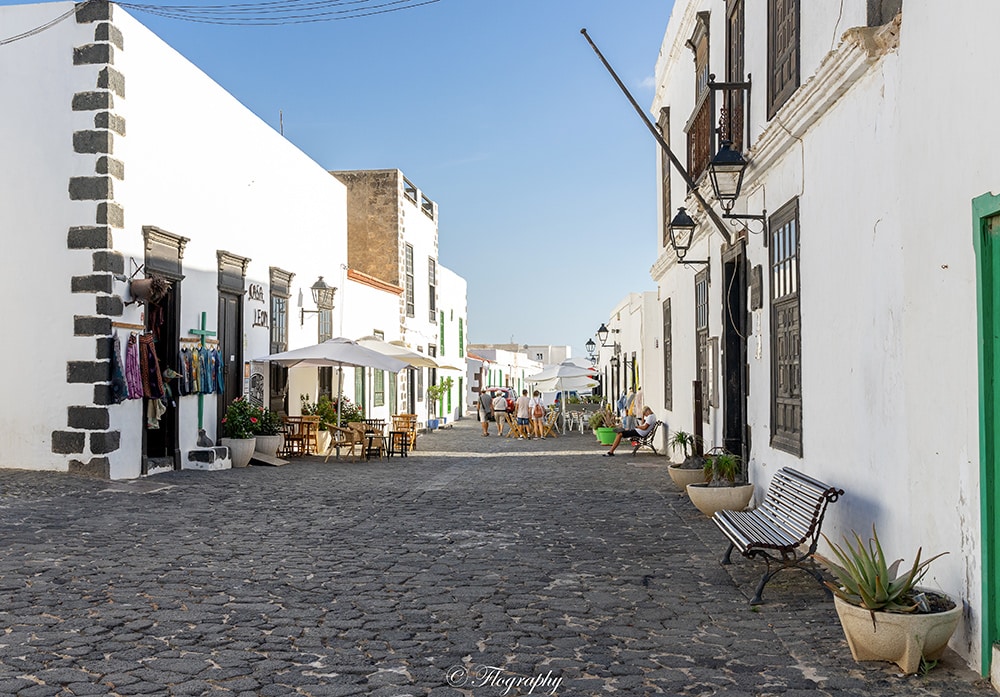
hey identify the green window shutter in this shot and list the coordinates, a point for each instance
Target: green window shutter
(441, 339)
(461, 339)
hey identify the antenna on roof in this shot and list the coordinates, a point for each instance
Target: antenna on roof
(281, 122)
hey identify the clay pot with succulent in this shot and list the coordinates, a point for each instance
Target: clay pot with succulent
(884, 614)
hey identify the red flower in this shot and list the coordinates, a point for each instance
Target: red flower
(253, 419)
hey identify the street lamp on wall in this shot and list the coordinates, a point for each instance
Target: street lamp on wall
(726, 172)
(603, 333)
(322, 295)
(681, 231)
(590, 346)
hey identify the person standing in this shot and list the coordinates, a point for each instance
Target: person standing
(500, 411)
(485, 411)
(522, 411)
(537, 411)
(641, 429)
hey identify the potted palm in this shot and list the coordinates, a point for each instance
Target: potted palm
(691, 469)
(724, 487)
(884, 614)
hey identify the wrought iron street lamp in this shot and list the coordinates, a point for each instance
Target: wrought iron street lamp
(726, 172)
(590, 346)
(681, 231)
(322, 295)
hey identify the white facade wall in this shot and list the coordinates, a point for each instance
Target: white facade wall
(884, 170)
(452, 305)
(196, 164)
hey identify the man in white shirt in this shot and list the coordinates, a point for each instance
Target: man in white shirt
(500, 411)
(641, 429)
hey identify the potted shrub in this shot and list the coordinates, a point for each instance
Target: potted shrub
(602, 423)
(435, 393)
(884, 614)
(326, 409)
(269, 436)
(239, 426)
(691, 469)
(724, 487)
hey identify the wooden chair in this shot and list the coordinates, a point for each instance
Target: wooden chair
(296, 435)
(374, 425)
(408, 423)
(549, 427)
(515, 430)
(344, 439)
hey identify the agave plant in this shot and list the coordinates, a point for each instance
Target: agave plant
(866, 580)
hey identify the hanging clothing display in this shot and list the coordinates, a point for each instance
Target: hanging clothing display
(220, 372)
(184, 368)
(133, 373)
(149, 366)
(119, 387)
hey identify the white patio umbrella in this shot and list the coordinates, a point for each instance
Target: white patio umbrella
(336, 352)
(557, 376)
(394, 350)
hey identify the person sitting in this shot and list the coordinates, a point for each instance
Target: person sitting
(641, 429)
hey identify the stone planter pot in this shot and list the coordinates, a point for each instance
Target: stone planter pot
(901, 638)
(269, 445)
(606, 435)
(709, 499)
(682, 477)
(240, 450)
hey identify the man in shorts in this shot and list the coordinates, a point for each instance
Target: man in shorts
(485, 411)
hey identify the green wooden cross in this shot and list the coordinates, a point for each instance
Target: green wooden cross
(201, 333)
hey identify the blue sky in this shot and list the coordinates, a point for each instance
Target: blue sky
(499, 111)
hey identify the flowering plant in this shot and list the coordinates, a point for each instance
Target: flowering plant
(241, 420)
(326, 409)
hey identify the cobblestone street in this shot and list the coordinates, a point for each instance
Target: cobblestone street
(476, 566)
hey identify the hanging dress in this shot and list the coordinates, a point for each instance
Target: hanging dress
(149, 365)
(119, 388)
(133, 373)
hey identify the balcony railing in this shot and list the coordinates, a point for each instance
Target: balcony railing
(700, 131)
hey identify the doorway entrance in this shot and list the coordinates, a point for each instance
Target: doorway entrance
(986, 239)
(734, 351)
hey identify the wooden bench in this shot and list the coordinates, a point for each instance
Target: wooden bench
(646, 441)
(789, 518)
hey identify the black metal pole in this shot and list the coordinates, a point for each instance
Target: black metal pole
(663, 144)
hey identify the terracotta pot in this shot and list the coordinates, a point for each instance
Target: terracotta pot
(682, 477)
(240, 450)
(901, 638)
(709, 499)
(269, 445)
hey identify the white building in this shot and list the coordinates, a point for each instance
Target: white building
(841, 338)
(124, 160)
(393, 237)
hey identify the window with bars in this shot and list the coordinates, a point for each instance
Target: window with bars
(359, 388)
(410, 302)
(786, 337)
(668, 358)
(378, 388)
(782, 52)
(325, 378)
(732, 120)
(432, 288)
(700, 128)
(663, 123)
(325, 326)
(702, 357)
(280, 285)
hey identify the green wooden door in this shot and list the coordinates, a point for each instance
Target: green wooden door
(986, 238)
